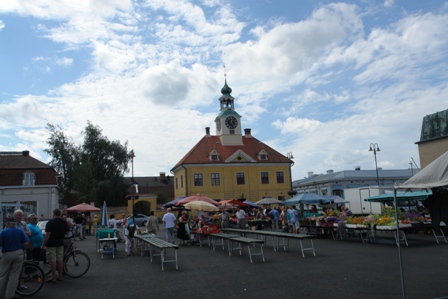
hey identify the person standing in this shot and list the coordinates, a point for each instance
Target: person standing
(284, 220)
(68, 235)
(121, 233)
(294, 219)
(274, 219)
(152, 225)
(225, 218)
(94, 225)
(170, 221)
(12, 240)
(182, 231)
(78, 221)
(85, 226)
(55, 231)
(129, 231)
(241, 218)
(20, 223)
(36, 238)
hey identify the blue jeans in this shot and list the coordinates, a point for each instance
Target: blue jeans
(170, 235)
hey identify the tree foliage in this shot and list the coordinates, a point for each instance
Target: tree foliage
(92, 171)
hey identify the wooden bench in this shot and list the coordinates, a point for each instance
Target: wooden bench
(162, 245)
(224, 239)
(276, 236)
(240, 241)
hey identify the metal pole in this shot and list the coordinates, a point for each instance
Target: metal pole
(375, 148)
(400, 260)
(376, 167)
(132, 184)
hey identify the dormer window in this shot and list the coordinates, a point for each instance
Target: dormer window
(213, 156)
(29, 179)
(262, 155)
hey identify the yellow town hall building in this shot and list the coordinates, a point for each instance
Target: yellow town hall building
(230, 165)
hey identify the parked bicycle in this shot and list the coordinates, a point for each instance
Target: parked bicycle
(31, 279)
(76, 263)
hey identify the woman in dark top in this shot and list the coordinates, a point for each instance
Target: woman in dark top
(182, 232)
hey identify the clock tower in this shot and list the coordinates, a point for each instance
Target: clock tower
(228, 121)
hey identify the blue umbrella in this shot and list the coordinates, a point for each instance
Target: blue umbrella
(104, 215)
(171, 203)
(251, 204)
(308, 198)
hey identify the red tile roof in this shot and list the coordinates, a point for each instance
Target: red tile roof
(20, 160)
(14, 164)
(199, 154)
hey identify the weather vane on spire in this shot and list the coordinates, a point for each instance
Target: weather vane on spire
(225, 72)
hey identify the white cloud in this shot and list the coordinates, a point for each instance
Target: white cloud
(64, 61)
(2, 25)
(323, 87)
(388, 3)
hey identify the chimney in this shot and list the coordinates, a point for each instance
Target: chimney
(247, 133)
(26, 153)
(207, 131)
(162, 176)
(310, 173)
(357, 168)
(330, 171)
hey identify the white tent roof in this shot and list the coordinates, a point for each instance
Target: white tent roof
(432, 176)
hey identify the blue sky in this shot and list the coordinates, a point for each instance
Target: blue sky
(320, 79)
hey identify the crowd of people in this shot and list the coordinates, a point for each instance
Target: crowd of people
(22, 240)
(285, 219)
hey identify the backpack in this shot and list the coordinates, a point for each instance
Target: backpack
(131, 230)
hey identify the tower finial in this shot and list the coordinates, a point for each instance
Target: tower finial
(225, 73)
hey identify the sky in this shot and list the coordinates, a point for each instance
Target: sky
(321, 80)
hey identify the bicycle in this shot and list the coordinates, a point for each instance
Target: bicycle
(31, 279)
(76, 263)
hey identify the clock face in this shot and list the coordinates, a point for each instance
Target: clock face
(231, 122)
(218, 124)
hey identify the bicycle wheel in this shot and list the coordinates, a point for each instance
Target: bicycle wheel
(76, 264)
(31, 280)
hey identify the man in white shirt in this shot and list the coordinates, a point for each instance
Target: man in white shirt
(241, 218)
(170, 222)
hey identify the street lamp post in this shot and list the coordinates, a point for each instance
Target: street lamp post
(134, 185)
(290, 157)
(375, 148)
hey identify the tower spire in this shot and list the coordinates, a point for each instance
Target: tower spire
(225, 73)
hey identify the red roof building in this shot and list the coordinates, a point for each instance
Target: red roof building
(28, 184)
(230, 165)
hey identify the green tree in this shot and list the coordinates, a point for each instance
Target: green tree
(91, 172)
(65, 158)
(108, 162)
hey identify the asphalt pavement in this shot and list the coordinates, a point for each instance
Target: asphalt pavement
(341, 269)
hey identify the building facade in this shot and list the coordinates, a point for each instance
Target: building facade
(433, 137)
(230, 164)
(28, 184)
(334, 183)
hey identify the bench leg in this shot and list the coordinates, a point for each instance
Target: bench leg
(162, 257)
(175, 256)
(310, 248)
(275, 242)
(250, 252)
